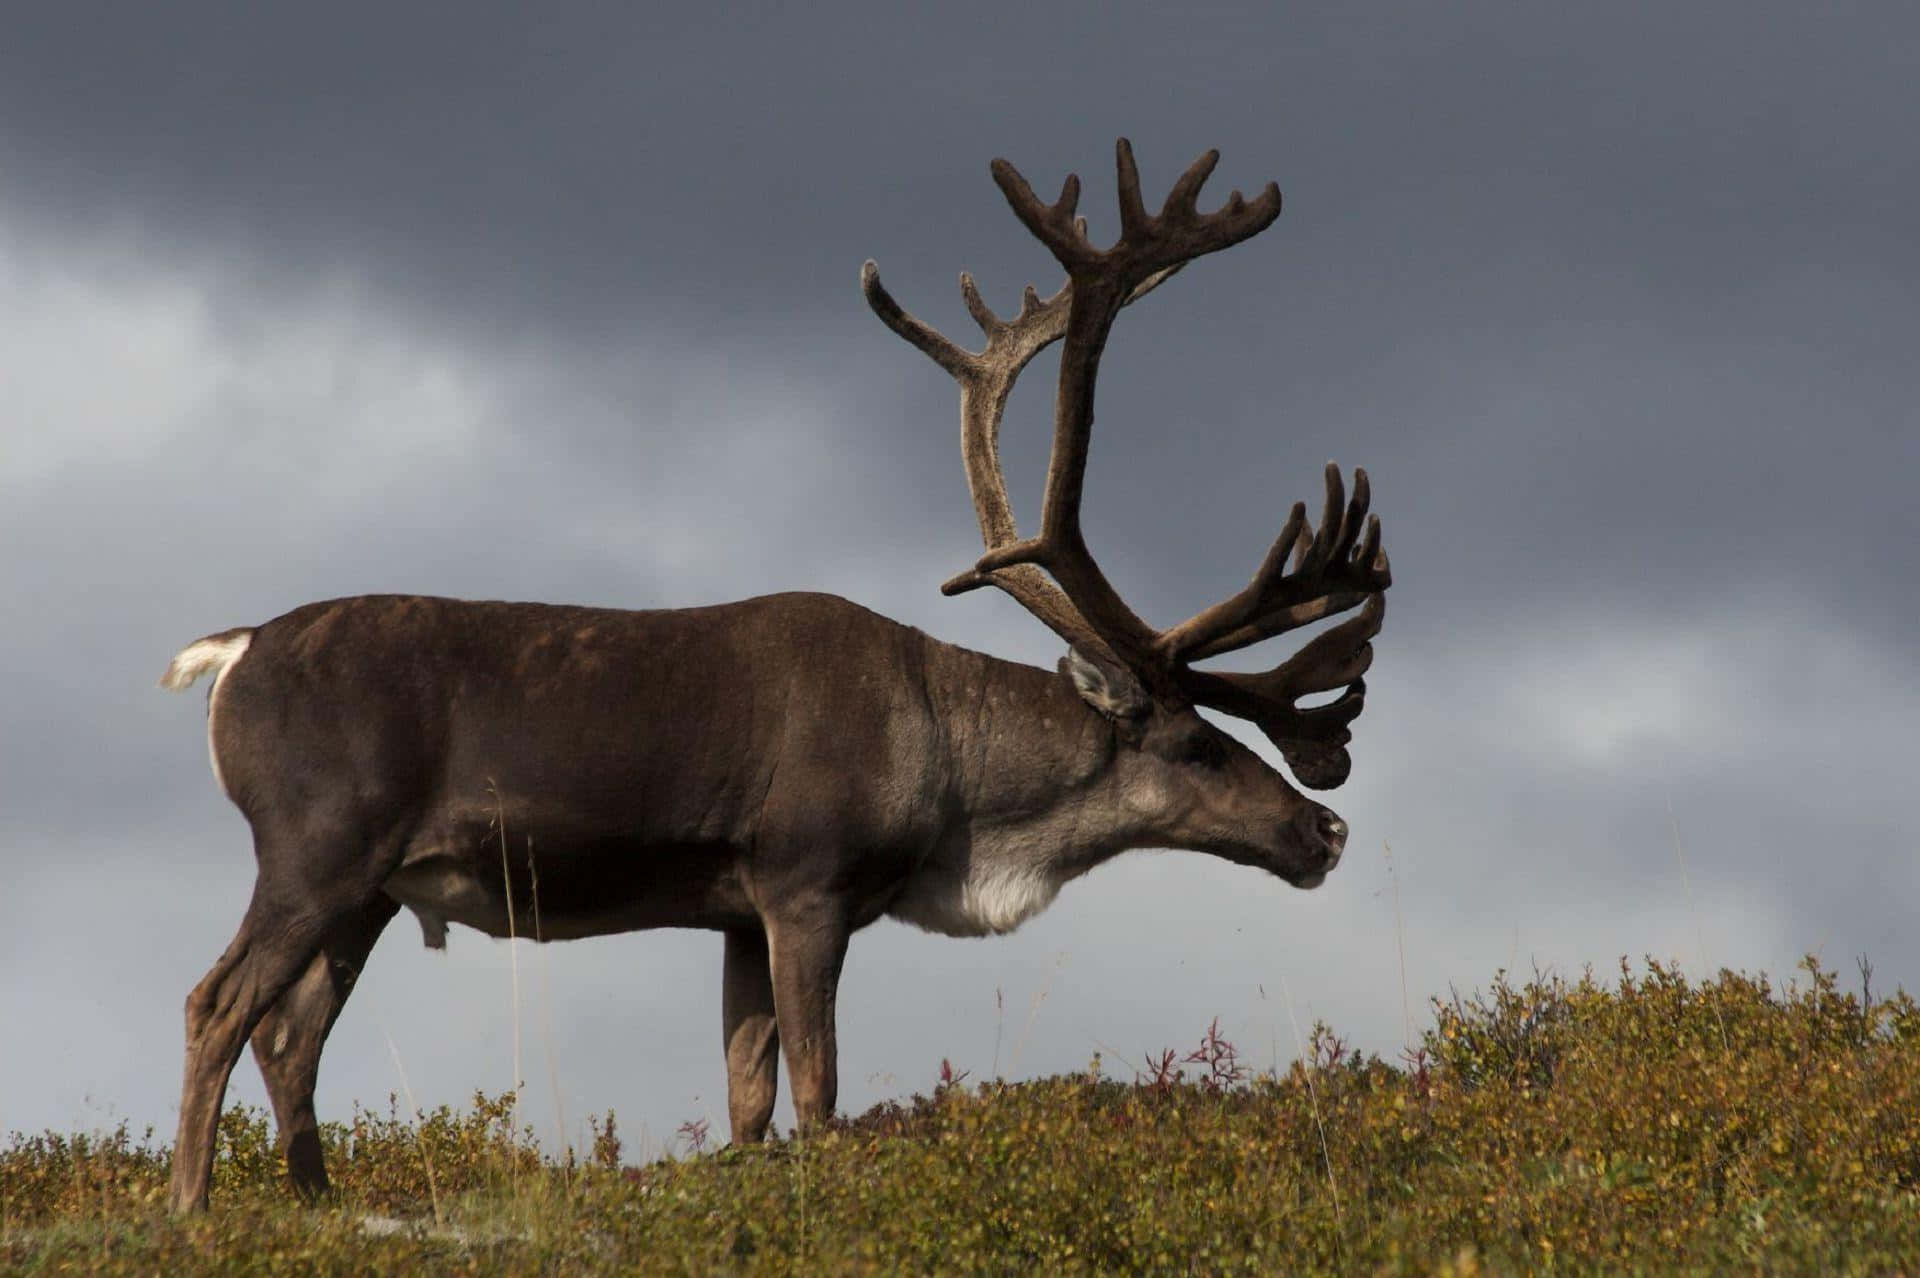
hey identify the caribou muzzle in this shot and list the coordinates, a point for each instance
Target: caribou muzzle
(1322, 838)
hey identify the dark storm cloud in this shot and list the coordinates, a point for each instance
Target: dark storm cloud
(559, 301)
(1609, 275)
(567, 163)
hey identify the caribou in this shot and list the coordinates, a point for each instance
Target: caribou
(783, 770)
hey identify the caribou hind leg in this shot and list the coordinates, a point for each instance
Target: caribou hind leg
(271, 949)
(288, 1040)
(303, 897)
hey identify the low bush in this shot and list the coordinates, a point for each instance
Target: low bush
(1648, 1123)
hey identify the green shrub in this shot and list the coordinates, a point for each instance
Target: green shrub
(1648, 1124)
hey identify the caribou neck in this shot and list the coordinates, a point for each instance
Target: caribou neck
(1035, 796)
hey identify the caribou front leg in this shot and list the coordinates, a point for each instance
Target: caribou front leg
(808, 947)
(751, 1035)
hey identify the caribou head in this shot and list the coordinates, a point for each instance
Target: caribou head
(1209, 792)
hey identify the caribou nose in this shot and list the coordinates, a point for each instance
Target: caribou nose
(1334, 831)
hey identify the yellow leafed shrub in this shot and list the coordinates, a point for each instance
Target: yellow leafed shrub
(1648, 1123)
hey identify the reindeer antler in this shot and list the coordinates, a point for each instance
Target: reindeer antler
(1101, 281)
(1337, 566)
(986, 381)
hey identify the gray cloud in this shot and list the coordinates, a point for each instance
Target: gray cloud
(1615, 307)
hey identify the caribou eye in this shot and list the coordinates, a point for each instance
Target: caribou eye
(1204, 750)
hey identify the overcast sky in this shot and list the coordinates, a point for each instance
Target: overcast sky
(560, 302)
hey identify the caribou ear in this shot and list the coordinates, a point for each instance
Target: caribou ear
(1113, 691)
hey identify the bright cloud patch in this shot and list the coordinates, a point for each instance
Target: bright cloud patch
(110, 362)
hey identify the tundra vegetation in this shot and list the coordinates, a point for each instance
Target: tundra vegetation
(1640, 1123)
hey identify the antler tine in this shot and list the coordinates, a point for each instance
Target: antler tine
(1327, 535)
(1328, 577)
(977, 307)
(930, 343)
(1230, 614)
(1313, 739)
(1134, 222)
(1182, 201)
(1275, 621)
(1054, 225)
(1327, 661)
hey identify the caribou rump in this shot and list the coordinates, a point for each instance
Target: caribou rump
(784, 770)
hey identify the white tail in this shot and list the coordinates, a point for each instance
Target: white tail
(214, 653)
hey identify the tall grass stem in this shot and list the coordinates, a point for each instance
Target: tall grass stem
(1400, 943)
(420, 1124)
(546, 1007)
(513, 951)
(1693, 916)
(1308, 1065)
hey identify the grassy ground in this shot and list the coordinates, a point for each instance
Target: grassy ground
(1640, 1124)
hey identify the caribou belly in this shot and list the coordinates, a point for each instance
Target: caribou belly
(439, 890)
